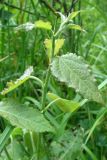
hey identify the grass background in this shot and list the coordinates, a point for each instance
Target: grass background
(22, 49)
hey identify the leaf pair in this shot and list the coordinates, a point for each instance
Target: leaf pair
(67, 22)
(58, 45)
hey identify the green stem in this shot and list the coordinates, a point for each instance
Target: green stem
(96, 123)
(51, 103)
(93, 156)
(48, 75)
(37, 79)
(7, 154)
(39, 146)
(32, 141)
(53, 46)
(45, 88)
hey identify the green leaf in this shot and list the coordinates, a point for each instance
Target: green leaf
(17, 132)
(24, 117)
(73, 15)
(48, 45)
(64, 104)
(67, 146)
(63, 17)
(43, 25)
(28, 142)
(16, 150)
(73, 70)
(58, 45)
(76, 27)
(14, 84)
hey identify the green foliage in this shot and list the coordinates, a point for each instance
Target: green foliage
(24, 116)
(5, 14)
(38, 24)
(67, 22)
(5, 136)
(12, 85)
(53, 121)
(73, 15)
(64, 104)
(17, 151)
(74, 26)
(58, 45)
(72, 70)
(43, 25)
(67, 146)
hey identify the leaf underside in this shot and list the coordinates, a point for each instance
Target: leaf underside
(73, 70)
(24, 117)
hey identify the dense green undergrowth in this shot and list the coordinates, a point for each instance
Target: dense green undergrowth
(53, 83)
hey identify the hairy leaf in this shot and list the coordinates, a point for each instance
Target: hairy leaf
(63, 17)
(26, 27)
(73, 70)
(14, 84)
(64, 104)
(24, 117)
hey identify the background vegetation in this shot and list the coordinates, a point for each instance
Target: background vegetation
(79, 135)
